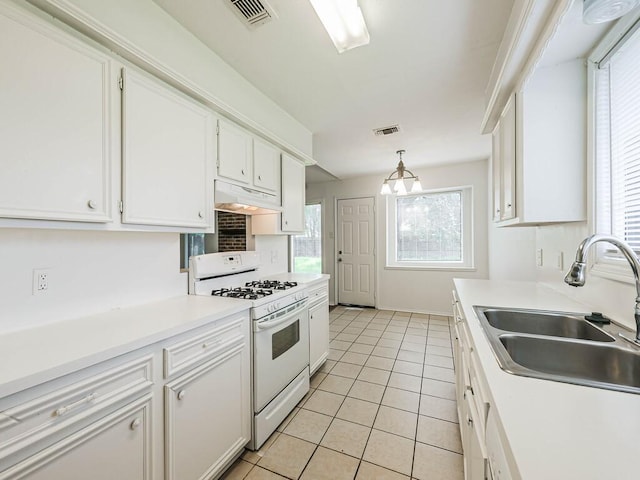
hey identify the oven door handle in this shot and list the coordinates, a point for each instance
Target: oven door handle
(274, 323)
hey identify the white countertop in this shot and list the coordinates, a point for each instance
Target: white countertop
(306, 279)
(31, 356)
(554, 430)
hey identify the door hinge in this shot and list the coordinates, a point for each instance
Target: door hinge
(121, 83)
(217, 129)
(121, 206)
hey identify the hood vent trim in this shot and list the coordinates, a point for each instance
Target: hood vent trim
(243, 200)
(386, 130)
(252, 13)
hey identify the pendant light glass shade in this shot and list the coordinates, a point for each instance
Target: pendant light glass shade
(400, 175)
(386, 189)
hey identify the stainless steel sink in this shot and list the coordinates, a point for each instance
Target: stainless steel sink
(585, 363)
(543, 323)
(560, 346)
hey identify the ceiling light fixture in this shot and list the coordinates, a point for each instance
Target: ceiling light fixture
(600, 11)
(400, 175)
(343, 21)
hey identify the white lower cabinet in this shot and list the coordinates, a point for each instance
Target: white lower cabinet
(111, 420)
(318, 327)
(207, 416)
(117, 446)
(472, 406)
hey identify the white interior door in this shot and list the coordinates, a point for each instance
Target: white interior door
(356, 252)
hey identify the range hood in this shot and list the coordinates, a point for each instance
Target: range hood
(244, 200)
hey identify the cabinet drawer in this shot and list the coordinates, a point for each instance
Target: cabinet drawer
(480, 398)
(318, 293)
(115, 446)
(39, 418)
(181, 356)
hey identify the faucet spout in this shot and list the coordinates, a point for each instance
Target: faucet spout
(576, 275)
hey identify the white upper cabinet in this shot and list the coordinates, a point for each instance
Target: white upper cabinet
(234, 152)
(55, 114)
(541, 149)
(266, 166)
(293, 195)
(247, 160)
(167, 154)
(504, 163)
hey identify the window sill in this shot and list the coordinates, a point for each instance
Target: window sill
(430, 268)
(619, 273)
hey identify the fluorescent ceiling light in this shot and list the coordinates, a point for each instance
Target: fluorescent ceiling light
(343, 21)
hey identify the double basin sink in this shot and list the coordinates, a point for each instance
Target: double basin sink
(561, 347)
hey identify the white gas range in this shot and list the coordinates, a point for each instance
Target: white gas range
(280, 325)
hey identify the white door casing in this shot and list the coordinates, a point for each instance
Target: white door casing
(356, 251)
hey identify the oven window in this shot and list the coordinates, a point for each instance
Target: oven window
(284, 339)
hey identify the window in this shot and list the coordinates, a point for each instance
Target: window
(430, 230)
(306, 250)
(617, 148)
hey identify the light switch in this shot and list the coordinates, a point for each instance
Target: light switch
(539, 257)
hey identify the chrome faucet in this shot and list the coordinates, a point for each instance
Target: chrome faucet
(576, 275)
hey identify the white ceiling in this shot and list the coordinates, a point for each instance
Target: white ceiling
(425, 69)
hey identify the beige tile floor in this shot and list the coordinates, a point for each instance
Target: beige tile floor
(381, 408)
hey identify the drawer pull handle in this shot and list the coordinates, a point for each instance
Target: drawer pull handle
(135, 424)
(212, 343)
(470, 422)
(181, 394)
(63, 410)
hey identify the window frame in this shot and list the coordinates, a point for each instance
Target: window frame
(604, 263)
(291, 252)
(468, 238)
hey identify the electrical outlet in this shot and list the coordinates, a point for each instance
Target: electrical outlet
(40, 280)
(539, 257)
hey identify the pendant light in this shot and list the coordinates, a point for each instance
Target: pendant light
(398, 177)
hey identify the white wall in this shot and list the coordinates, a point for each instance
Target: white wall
(90, 272)
(615, 299)
(411, 290)
(274, 251)
(511, 249)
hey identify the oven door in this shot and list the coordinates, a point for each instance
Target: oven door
(280, 351)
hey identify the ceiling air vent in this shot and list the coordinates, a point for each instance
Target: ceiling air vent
(386, 130)
(252, 13)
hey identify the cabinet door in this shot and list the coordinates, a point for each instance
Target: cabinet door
(475, 462)
(508, 157)
(234, 152)
(496, 171)
(293, 199)
(55, 102)
(318, 335)
(167, 148)
(266, 166)
(117, 446)
(208, 416)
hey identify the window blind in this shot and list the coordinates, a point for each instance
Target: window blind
(618, 143)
